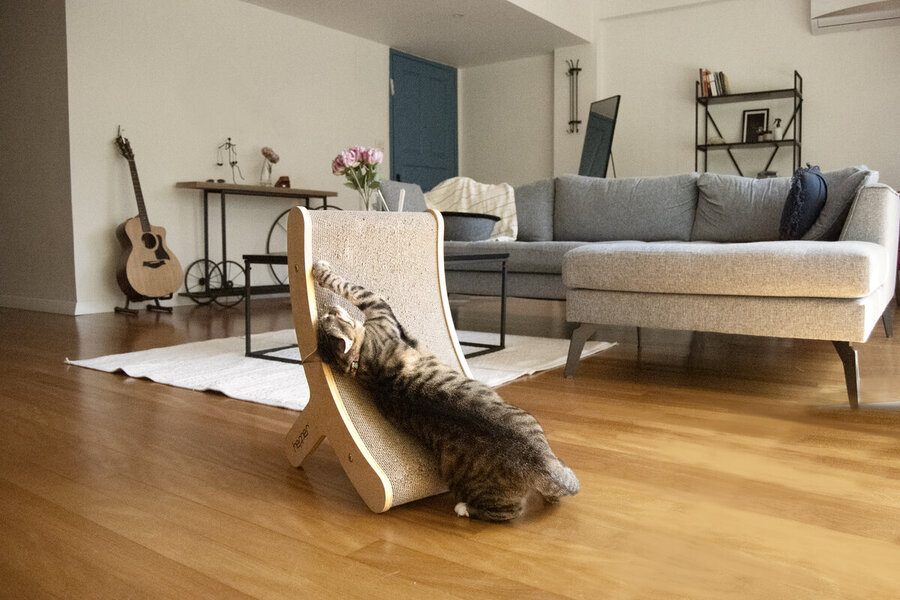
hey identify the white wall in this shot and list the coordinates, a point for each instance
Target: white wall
(514, 117)
(183, 76)
(506, 114)
(36, 255)
(575, 16)
(851, 82)
(567, 146)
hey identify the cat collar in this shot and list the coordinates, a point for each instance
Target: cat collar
(354, 364)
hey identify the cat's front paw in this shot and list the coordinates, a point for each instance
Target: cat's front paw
(320, 270)
(461, 509)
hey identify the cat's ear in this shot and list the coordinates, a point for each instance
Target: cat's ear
(347, 343)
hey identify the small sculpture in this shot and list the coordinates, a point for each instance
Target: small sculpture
(231, 149)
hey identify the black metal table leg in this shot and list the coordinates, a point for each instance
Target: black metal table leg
(246, 307)
(206, 239)
(224, 258)
(503, 304)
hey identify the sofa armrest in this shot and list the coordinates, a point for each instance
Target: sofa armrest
(875, 217)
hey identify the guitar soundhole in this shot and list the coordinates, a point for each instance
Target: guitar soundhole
(149, 241)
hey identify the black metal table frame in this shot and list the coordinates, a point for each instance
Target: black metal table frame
(263, 259)
(237, 192)
(281, 259)
(497, 256)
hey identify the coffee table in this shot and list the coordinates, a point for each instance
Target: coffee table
(281, 259)
(500, 257)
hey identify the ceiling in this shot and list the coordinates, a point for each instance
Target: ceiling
(460, 33)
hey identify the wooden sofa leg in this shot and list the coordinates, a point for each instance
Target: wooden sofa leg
(851, 370)
(887, 318)
(579, 337)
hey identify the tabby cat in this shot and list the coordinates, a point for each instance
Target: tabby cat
(492, 456)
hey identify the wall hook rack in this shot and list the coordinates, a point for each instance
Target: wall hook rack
(572, 74)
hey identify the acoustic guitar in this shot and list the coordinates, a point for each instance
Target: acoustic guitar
(147, 268)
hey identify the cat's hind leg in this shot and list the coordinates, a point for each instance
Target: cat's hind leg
(502, 510)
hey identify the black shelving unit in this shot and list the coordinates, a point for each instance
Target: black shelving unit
(793, 130)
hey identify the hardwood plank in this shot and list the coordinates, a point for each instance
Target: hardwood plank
(462, 581)
(62, 554)
(711, 467)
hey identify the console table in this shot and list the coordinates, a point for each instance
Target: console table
(205, 281)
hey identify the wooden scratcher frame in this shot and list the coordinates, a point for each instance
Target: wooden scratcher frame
(400, 256)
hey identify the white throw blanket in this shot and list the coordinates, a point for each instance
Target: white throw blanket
(462, 194)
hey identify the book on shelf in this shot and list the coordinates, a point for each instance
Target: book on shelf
(713, 83)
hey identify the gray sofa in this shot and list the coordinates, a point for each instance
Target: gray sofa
(699, 252)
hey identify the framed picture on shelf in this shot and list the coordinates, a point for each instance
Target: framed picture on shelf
(755, 122)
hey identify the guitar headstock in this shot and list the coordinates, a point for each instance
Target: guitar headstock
(124, 145)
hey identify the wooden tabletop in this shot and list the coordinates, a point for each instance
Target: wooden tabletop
(251, 190)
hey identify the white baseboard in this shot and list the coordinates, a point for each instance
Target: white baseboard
(110, 304)
(62, 307)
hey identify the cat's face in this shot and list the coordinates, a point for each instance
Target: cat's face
(340, 337)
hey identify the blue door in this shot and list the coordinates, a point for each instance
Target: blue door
(423, 121)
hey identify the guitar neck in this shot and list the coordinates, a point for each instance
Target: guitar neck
(142, 209)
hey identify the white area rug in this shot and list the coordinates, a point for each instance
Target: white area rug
(220, 365)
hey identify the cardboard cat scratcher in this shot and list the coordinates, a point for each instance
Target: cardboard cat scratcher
(399, 256)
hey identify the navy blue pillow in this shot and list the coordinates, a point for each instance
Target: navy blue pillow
(804, 202)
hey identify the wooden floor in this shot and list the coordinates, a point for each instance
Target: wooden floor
(711, 467)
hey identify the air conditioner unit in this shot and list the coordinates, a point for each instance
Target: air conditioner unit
(840, 15)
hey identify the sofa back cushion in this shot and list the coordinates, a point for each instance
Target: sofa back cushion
(413, 199)
(592, 209)
(743, 209)
(843, 185)
(739, 209)
(534, 211)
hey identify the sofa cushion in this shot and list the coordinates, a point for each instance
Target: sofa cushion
(739, 209)
(804, 203)
(779, 268)
(534, 211)
(843, 185)
(594, 209)
(524, 257)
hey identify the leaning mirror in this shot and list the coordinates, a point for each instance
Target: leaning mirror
(598, 137)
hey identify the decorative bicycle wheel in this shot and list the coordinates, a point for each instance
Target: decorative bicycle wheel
(231, 289)
(200, 277)
(276, 243)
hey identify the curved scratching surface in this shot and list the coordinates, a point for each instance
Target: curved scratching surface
(399, 257)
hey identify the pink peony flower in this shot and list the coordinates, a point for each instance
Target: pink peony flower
(337, 165)
(372, 156)
(359, 165)
(350, 158)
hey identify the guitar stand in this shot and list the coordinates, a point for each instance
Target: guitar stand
(156, 307)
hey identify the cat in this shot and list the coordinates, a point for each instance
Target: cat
(493, 456)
